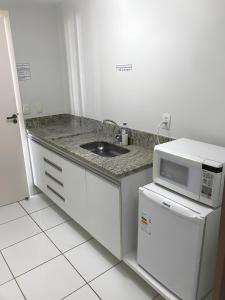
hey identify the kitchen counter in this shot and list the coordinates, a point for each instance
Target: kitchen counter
(65, 135)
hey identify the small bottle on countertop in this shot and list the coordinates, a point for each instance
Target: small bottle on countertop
(124, 134)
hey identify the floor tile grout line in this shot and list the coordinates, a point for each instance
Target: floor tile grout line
(156, 296)
(20, 289)
(13, 275)
(64, 256)
(20, 241)
(29, 213)
(52, 226)
(6, 282)
(87, 282)
(65, 252)
(18, 276)
(81, 276)
(44, 208)
(33, 212)
(48, 229)
(11, 203)
(64, 298)
(45, 231)
(105, 271)
(14, 219)
(74, 291)
(76, 269)
(52, 242)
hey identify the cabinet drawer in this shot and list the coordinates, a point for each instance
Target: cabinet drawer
(53, 169)
(57, 198)
(53, 178)
(55, 184)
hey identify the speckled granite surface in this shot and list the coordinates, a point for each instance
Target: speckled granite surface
(65, 133)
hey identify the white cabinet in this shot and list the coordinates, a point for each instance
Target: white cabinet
(54, 178)
(47, 168)
(93, 202)
(104, 205)
(36, 157)
(75, 192)
(61, 180)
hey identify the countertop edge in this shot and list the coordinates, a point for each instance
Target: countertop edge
(114, 179)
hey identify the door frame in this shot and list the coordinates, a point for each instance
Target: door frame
(219, 285)
(18, 101)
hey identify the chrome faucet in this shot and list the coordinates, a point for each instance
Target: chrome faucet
(118, 136)
(108, 121)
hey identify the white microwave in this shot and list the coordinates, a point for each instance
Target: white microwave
(191, 168)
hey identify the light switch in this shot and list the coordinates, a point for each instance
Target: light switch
(39, 107)
(26, 109)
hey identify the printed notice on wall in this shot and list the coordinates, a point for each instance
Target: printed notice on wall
(23, 71)
(124, 68)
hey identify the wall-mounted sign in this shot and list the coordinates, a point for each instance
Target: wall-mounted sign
(124, 68)
(23, 71)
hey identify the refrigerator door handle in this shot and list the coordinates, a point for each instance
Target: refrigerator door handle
(181, 211)
(173, 207)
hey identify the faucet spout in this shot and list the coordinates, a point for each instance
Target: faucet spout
(108, 121)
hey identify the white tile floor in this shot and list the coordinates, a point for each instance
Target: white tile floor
(44, 255)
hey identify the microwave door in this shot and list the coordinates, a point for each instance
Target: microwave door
(177, 173)
(171, 247)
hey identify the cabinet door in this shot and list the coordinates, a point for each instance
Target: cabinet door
(104, 205)
(36, 157)
(75, 192)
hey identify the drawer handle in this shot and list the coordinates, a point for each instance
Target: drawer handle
(53, 165)
(53, 178)
(57, 194)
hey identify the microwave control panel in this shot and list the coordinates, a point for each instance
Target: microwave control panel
(207, 184)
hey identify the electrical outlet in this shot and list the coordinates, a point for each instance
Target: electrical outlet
(166, 121)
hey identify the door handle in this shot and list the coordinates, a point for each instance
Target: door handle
(13, 118)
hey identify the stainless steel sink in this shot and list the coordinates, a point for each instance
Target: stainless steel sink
(104, 149)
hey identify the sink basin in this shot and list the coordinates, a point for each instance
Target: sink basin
(105, 149)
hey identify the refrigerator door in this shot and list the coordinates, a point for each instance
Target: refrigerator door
(169, 243)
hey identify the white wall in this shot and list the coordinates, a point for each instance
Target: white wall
(36, 37)
(177, 49)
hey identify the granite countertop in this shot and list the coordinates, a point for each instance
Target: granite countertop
(65, 138)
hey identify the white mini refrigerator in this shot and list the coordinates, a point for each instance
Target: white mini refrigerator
(177, 241)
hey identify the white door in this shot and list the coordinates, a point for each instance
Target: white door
(169, 243)
(13, 181)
